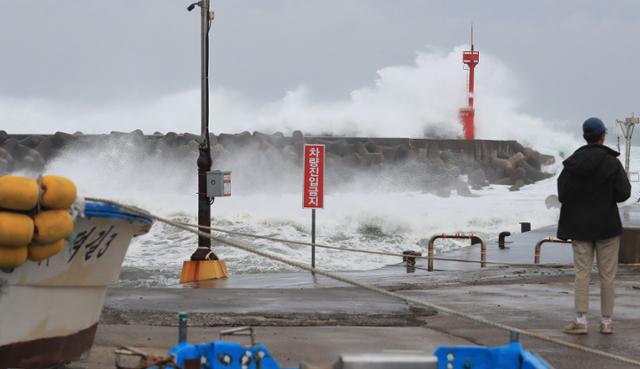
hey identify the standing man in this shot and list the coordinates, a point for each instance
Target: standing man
(591, 184)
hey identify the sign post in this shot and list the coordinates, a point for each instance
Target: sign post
(313, 188)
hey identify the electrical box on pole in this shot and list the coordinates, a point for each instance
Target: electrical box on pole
(218, 183)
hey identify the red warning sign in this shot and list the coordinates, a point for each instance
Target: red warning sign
(313, 196)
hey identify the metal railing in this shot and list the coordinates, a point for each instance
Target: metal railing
(536, 257)
(458, 236)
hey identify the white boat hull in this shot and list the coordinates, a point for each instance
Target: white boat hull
(49, 310)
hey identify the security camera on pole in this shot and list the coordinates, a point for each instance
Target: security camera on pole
(204, 264)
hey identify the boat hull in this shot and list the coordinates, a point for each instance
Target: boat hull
(49, 310)
(47, 352)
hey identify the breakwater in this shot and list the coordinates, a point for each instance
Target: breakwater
(435, 165)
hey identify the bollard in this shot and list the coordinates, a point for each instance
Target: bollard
(410, 260)
(182, 328)
(525, 227)
(501, 239)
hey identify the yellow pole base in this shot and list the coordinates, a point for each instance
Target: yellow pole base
(194, 271)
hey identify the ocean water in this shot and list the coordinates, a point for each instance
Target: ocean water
(380, 221)
(381, 217)
(414, 100)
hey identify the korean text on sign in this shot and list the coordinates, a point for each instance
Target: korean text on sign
(313, 197)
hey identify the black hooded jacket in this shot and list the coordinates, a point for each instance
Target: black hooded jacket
(591, 184)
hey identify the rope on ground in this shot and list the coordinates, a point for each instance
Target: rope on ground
(353, 282)
(324, 246)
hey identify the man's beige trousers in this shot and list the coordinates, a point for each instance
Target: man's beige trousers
(607, 258)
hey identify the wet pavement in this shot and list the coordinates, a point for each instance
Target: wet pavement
(257, 307)
(533, 299)
(544, 308)
(306, 317)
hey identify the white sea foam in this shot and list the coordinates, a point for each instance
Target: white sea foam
(376, 219)
(358, 214)
(410, 100)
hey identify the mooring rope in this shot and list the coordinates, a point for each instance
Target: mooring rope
(349, 249)
(356, 283)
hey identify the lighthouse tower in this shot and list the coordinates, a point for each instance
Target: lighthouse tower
(467, 114)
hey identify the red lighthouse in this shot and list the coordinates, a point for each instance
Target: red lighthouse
(470, 59)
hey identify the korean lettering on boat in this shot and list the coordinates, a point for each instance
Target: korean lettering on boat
(95, 243)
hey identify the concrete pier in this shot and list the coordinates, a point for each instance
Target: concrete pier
(316, 320)
(302, 317)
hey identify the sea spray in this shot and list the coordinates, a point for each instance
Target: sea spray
(412, 100)
(371, 212)
(415, 100)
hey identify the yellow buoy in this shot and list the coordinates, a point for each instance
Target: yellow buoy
(12, 257)
(39, 252)
(57, 192)
(18, 193)
(16, 230)
(52, 225)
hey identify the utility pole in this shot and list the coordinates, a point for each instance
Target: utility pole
(203, 252)
(627, 126)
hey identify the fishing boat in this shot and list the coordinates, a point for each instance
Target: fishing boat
(49, 310)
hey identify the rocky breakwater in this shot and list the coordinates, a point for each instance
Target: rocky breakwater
(436, 165)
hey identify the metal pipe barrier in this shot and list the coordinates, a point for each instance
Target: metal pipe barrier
(502, 239)
(536, 258)
(457, 236)
(408, 299)
(348, 249)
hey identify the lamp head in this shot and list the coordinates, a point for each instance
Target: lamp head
(192, 6)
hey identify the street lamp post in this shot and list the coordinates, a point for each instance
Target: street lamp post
(627, 126)
(203, 252)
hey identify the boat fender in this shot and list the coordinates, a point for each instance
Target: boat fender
(11, 257)
(57, 192)
(18, 193)
(52, 226)
(16, 230)
(38, 252)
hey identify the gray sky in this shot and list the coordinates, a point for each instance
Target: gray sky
(575, 58)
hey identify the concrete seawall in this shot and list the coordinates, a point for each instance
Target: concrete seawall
(434, 164)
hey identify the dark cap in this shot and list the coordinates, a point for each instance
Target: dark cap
(593, 127)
